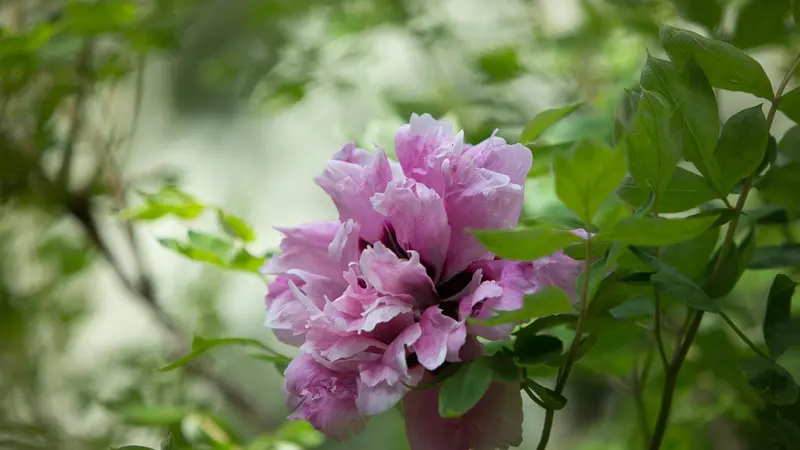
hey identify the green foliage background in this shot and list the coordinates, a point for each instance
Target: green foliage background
(75, 216)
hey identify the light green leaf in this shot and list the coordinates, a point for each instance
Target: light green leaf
(741, 147)
(587, 175)
(235, 227)
(460, 392)
(525, 244)
(726, 66)
(654, 150)
(544, 120)
(654, 232)
(685, 191)
(169, 200)
(202, 345)
(771, 381)
(674, 283)
(691, 94)
(549, 300)
(150, 415)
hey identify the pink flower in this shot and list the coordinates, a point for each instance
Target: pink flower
(379, 299)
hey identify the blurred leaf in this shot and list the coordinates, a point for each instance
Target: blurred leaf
(100, 17)
(544, 120)
(547, 301)
(625, 113)
(543, 157)
(726, 66)
(235, 227)
(790, 143)
(301, 433)
(462, 391)
(525, 244)
(781, 184)
(691, 257)
(550, 398)
(690, 93)
(731, 269)
(201, 345)
(500, 65)
(612, 292)
(761, 22)
(533, 349)
(133, 447)
(741, 146)
(771, 381)
(544, 323)
(776, 257)
(685, 190)
(674, 283)
(216, 250)
(168, 443)
(790, 104)
(705, 12)
(781, 331)
(151, 415)
(655, 231)
(796, 11)
(587, 175)
(169, 200)
(654, 150)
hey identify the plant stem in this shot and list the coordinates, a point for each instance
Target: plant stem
(681, 352)
(83, 71)
(742, 335)
(657, 326)
(561, 382)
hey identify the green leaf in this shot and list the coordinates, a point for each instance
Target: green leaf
(741, 147)
(790, 104)
(655, 231)
(525, 244)
(544, 120)
(301, 433)
(216, 250)
(533, 349)
(726, 66)
(100, 17)
(705, 12)
(169, 200)
(550, 398)
(547, 322)
(151, 415)
(781, 331)
(690, 92)
(761, 22)
(796, 11)
(611, 293)
(201, 345)
(504, 369)
(776, 257)
(587, 175)
(654, 150)
(674, 283)
(685, 190)
(462, 391)
(790, 143)
(781, 184)
(771, 381)
(691, 257)
(235, 227)
(543, 156)
(625, 113)
(549, 300)
(500, 65)
(731, 269)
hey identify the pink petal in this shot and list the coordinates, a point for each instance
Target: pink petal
(495, 423)
(285, 315)
(418, 218)
(394, 276)
(490, 296)
(305, 248)
(441, 339)
(497, 156)
(344, 248)
(420, 146)
(323, 397)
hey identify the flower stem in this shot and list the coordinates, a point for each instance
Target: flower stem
(561, 382)
(697, 317)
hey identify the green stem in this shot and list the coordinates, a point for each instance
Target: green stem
(576, 343)
(697, 317)
(657, 319)
(742, 336)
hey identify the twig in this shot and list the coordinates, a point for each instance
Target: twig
(83, 71)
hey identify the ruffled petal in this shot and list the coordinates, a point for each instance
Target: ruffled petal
(305, 248)
(420, 147)
(441, 339)
(391, 275)
(285, 315)
(495, 423)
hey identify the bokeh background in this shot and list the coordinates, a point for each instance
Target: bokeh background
(240, 103)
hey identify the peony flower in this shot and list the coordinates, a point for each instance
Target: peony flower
(379, 299)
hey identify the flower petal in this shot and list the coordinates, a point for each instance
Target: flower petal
(305, 248)
(394, 276)
(442, 337)
(417, 146)
(495, 423)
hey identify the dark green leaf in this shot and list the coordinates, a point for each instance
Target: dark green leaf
(705, 12)
(781, 184)
(533, 349)
(776, 257)
(674, 283)
(504, 368)
(654, 150)
(544, 323)
(235, 227)
(741, 147)
(500, 65)
(726, 66)
(201, 345)
(460, 392)
(796, 11)
(761, 22)
(550, 398)
(544, 120)
(525, 244)
(790, 144)
(685, 190)
(771, 381)
(731, 268)
(612, 292)
(781, 331)
(549, 300)
(691, 94)
(578, 251)
(587, 176)
(790, 104)
(691, 257)
(654, 232)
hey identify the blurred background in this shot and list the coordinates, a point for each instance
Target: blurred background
(240, 103)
